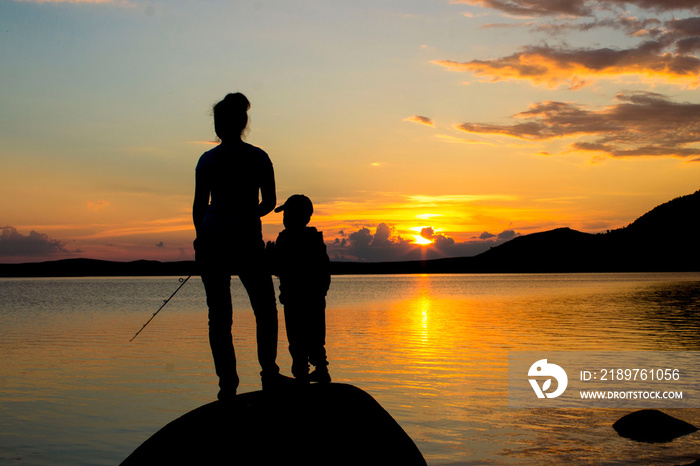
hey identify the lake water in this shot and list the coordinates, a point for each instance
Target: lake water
(432, 349)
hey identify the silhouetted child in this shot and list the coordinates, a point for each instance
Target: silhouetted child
(300, 261)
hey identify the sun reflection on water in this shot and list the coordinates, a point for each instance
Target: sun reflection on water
(431, 349)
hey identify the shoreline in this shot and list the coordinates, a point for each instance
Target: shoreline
(459, 265)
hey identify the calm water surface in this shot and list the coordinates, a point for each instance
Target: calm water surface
(431, 349)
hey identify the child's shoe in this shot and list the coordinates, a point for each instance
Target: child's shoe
(226, 395)
(320, 375)
(302, 379)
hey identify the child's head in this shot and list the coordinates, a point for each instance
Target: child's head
(297, 211)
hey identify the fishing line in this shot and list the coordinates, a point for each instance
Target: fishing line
(182, 282)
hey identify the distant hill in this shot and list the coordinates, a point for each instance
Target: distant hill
(96, 268)
(663, 239)
(679, 217)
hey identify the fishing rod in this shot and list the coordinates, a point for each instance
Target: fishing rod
(182, 282)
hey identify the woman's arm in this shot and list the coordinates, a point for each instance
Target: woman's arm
(201, 200)
(268, 193)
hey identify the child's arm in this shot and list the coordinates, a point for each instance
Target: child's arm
(325, 265)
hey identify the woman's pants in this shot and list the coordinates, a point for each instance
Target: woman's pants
(221, 252)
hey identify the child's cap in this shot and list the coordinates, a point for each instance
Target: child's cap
(297, 204)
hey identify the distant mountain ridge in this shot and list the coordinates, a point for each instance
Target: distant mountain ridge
(663, 239)
(97, 268)
(660, 240)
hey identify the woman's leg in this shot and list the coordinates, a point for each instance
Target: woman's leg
(261, 292)
(218, 289)
(213, 259)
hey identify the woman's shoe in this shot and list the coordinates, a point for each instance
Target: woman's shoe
(277, 382)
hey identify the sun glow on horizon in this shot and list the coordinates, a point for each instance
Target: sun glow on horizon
(418, 239)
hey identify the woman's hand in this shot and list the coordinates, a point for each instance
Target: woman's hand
(268, 193)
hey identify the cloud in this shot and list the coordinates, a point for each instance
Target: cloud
(98, 205)
(507, 25)
(534, 7)
(420, 120)
(577, 8)
(427, 232)
(206, 143)
(13, 243)
(382, 236)
(631, 25)
(364, 245)
(689, 45)
(361, 238)
(440, 242)
(507, 235)
(667, 53)
(163, 225)
(385, 246)
(688, 27)
(434, 201)
(685, 33)
(555, 66)
(640, 124)
(653, 5)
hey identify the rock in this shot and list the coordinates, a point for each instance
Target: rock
(653, 426)
(319, 424)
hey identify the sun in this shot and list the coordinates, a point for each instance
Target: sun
(418, 239)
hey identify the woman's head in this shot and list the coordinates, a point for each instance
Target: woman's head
(231, 116)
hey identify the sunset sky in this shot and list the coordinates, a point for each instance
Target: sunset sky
(456, 124)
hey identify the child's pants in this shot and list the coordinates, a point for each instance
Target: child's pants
(306, 332)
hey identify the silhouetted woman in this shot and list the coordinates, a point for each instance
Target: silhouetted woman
(226, 213)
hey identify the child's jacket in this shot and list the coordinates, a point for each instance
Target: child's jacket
(300, 261)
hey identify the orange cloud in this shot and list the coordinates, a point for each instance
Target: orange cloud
(552, 67)
(206, 143)
(386, 245)
(97, 205)
(459, 216)
(420, 120)
(640, 124)
(139, 228)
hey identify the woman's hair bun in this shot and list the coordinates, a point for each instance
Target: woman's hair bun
(237, 101)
